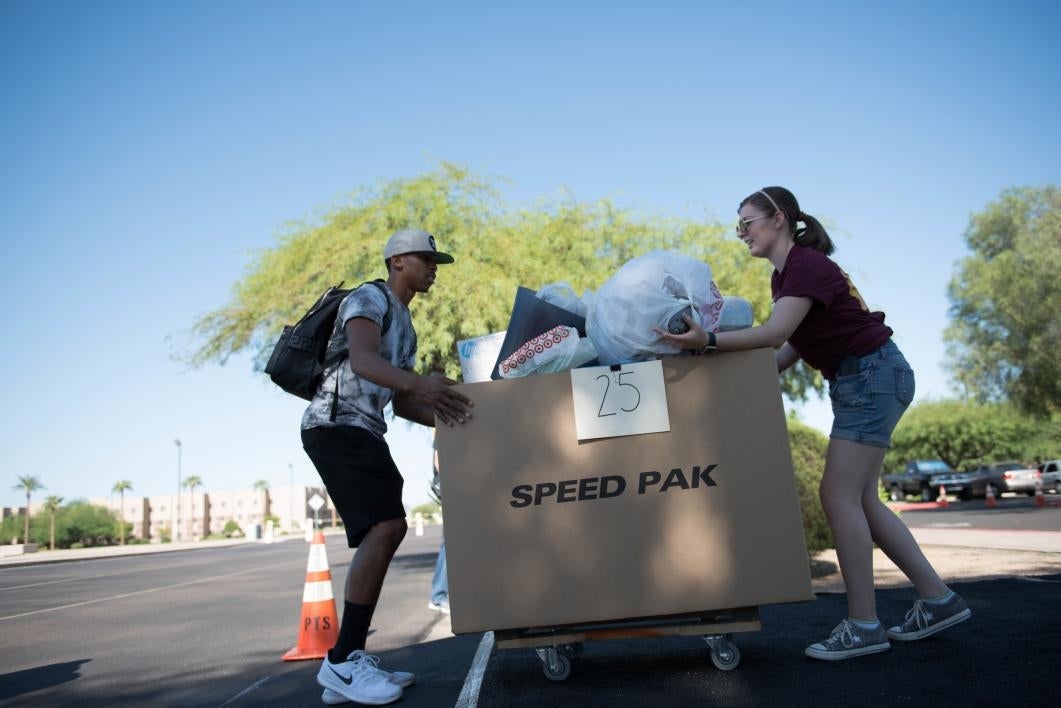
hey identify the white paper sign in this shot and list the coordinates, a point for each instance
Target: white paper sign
(625, 399)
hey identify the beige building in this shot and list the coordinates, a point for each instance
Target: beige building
(206, 513)
(247, 507)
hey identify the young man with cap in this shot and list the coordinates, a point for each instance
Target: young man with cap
(348, 449)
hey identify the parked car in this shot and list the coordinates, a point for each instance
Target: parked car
(921, 477)
(1002, 477)
(1051, 475)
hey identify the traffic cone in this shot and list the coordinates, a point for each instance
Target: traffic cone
(319, 627)
(989, 497)
(1040, 500)
(941, 501)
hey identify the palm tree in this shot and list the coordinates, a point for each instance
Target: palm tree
(191, 483)
(263, 486)
(120, 487)
(29, 484)
(52, 505)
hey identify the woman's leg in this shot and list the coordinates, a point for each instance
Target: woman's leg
(850, 468)
(894, 538)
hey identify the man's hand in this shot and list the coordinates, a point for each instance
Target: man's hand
(449, 405)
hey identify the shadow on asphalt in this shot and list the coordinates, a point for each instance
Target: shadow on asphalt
(19, 683)
(1007, 653)
(418, 561)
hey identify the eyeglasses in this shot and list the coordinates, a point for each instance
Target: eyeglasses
(742, 224)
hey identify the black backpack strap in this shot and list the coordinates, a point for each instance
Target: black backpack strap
(379, 283)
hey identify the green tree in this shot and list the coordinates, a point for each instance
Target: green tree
(498, 247)
(263, 486)
(28, 484)
(82, 524)
(962, 434)
(1005, 334)
(52, 505)
(121, 487)
(191, 483)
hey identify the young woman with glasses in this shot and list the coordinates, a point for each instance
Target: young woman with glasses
(820, 317)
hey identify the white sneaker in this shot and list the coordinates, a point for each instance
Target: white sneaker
(398, 678)
(359, 680)
(442, 606)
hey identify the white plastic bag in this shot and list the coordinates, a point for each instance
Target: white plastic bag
(650, 291)
(563, 295)
(558, 349)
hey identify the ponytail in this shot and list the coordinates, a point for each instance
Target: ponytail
(813, 235)
(778, 199)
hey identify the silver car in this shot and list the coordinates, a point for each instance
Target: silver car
(1051, 472)
(1005, 477)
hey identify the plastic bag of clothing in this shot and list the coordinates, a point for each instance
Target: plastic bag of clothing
(736, 314)
(559, 349)
(652, 290)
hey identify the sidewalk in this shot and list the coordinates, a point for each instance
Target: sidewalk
(958, 555)
(76, 554)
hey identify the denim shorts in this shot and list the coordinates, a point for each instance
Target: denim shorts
(868, 404)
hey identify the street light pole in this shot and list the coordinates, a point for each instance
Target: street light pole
(177, 532)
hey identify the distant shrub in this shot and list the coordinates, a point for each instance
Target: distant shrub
(428, 510)
(808, 459)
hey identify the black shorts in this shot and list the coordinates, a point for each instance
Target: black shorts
(359, 474)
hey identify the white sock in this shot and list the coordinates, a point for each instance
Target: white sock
(865, 624)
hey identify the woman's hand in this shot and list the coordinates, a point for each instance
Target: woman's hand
(695, 338)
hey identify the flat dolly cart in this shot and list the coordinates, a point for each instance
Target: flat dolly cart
(557, 647)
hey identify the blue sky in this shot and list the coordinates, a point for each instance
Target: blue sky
(150, 148)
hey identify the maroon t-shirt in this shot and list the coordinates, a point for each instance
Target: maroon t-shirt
(838, 324)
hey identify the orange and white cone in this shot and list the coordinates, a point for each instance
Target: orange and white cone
(989, 497)
(319, 626)
(941, 500)
(1040, 500)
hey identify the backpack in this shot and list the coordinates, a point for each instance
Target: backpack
(300, 355)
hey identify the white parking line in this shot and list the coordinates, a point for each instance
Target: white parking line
(254, 686)
(1037, 580)
(469, 696)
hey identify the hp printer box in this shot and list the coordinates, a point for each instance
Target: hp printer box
(543, 530)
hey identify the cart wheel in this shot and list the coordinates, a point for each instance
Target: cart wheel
(556, 666)
(571, 651)
(727, 657)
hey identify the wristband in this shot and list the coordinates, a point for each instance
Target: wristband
(712, 343)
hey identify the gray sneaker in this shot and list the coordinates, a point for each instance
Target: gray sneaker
(848, 640)
(926, 618)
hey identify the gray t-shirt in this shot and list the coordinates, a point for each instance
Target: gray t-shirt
(361, 402)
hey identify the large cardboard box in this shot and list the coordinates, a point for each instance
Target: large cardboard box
(719, 527)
